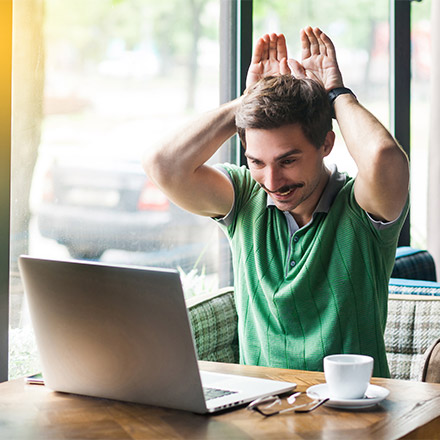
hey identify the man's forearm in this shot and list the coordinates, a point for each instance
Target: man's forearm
(382, 164)
(178, 165)
(363, 133)
(192, 146)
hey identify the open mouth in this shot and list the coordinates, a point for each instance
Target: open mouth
(285, 193)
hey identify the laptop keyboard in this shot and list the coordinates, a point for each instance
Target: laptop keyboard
(214, 393)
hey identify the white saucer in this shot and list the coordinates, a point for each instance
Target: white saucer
(375, 395)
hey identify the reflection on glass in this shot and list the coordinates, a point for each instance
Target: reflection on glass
(114, 76)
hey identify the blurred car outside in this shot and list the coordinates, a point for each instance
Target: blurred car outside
(94, 206)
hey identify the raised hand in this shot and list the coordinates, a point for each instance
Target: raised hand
(269, 58)
(318, 59)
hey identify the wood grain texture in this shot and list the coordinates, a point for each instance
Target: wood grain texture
(34, 412)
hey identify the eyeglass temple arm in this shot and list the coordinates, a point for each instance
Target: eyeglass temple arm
(318, 404)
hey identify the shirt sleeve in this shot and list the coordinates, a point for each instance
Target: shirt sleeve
(245, 188)
(228, 218)
(386, 232)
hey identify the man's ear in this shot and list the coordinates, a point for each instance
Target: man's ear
(329, 141)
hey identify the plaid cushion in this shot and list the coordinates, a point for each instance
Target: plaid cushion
(426, 324)
(214, 323)
(405, 366)
(400, 326)
(414, 264)
(413, 324)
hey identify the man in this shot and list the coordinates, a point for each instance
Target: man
(312, 248)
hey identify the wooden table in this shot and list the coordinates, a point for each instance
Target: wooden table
(33, 412)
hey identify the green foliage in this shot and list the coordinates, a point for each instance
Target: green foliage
(23, 354)
(195, 283)
(91, 26)
(350, 21)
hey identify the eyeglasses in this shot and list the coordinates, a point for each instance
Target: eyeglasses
(267, 406)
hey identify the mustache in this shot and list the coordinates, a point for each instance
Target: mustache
(283, 189)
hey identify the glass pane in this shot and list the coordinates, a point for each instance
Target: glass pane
(95, 84)
(420, 109)
(361, 36)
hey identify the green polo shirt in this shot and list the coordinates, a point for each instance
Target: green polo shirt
(304, 293)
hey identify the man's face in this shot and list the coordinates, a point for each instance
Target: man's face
(288, 167)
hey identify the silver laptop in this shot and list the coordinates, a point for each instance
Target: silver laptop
(123, 333)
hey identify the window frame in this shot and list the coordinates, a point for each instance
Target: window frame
(235, 55)
(400, 85)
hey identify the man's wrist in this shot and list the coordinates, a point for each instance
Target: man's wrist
(334, 93)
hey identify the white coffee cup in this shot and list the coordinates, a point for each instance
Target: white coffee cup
(348, 375)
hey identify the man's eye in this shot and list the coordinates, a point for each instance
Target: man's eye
(288, 161)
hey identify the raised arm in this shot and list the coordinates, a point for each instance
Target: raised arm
(381, 186)
(178, 165)
(178, 168)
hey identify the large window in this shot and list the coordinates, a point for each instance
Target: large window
(95, 84)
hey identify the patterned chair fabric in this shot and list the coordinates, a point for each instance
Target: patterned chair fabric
(413, 287)
(214, 323)
(415, 264)
(413, 325)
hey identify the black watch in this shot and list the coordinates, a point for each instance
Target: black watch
(334, 93)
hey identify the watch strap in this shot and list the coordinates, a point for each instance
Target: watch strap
(334, 93)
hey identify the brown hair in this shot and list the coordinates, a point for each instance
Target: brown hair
(275, 101)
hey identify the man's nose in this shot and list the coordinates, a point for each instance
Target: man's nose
(272, 179)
